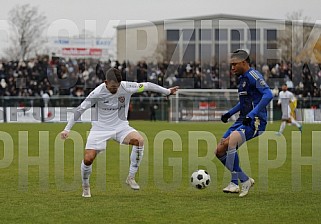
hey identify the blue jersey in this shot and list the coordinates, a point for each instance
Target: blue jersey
(254, 96)
(252, 88)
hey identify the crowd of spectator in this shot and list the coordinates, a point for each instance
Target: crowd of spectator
(77, 77)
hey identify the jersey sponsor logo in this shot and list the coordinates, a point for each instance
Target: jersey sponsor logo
(114, 108)
(121, 99)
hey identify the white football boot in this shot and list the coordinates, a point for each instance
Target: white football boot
(86, 191)
(246, 187)
(132, 183)
(231, 188)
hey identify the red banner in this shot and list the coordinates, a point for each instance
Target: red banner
(206, 105)
(82, 52)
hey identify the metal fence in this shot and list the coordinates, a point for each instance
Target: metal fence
(141, 108)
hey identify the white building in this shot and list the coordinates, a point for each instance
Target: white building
(206, 38)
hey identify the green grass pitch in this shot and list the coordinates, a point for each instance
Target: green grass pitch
(48, 190)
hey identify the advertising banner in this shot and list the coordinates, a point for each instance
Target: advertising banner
(82, 52)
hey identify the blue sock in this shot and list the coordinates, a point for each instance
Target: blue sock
(241, 175)
(234, 178)
(233, 164)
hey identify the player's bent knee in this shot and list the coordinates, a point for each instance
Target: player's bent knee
(89, 157)
(137, 141)
(87, 161)
(235, 139)
(221, 149)
(141, 141)
(219, 152)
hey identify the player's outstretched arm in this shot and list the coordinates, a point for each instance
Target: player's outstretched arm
(173, 90)
(64, 134)
(148, 86)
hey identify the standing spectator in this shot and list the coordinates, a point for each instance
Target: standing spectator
(152, 109)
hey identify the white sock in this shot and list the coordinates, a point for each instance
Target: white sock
(85, 173)
(282, 127)
(135, 159)
(295, 123)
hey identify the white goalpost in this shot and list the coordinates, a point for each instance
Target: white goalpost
(204, 104)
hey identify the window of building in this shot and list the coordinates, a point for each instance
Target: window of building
(234, 47)
(254, 35)
(189, 35)
(254, 50)
(172, 35)
(271, 35)
(237, 35)
(205, 52)
(189, 54)
(205, 34)
(221, 34)
(221, 53)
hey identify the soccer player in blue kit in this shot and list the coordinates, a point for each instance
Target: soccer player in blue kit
(254, 96)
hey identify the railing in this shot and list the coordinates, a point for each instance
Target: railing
(141, 108)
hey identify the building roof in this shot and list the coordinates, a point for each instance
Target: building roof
(209, 17)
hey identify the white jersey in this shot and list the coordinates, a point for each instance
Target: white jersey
(285, 98)
(112, 109)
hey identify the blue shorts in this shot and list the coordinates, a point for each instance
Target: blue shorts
(253, 130)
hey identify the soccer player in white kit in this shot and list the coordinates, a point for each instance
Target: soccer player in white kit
(285, 98)
(111, 99)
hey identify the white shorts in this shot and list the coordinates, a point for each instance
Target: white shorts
(286, 113)
(98, 139)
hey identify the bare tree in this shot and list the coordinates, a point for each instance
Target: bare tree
(26, 27)
(296, 34)
(317, 52)
(297, 15)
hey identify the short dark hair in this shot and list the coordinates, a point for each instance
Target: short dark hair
(107, 73)
(113, 74)
(241, 55)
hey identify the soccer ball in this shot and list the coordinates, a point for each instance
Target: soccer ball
(200, 179)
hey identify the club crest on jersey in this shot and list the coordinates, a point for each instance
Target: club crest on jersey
(121, 99)
(262, 83)
(140, 86)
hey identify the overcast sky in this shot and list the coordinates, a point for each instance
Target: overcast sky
(108, 13)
